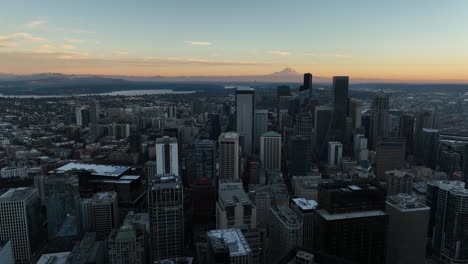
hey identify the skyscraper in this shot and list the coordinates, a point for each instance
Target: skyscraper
(390, 155)
(304, 126)
(340, 105)
(283, 95)
(322, 125)
(167, 156)
(204, 159)
(465, 164)
(354, 111)
(298, 156)
(62, 199)
(350, 222)
(449, 161)
(380, 119)
(245, 110)
(424, 119)
(407, 229)
(229, 155)
(305, 210)
(166, 212)
(270, 151)
(127, 245)
(82, 117)
(399, 181)
(307, 86)
(20, 222)
(406, 131)
(104, 213)
(261, 126)
(286, 230)
(448, 202)
(234, 208)
(429, 143)
(94, 112)
(335, 153)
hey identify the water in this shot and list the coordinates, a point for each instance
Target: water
(121, 93)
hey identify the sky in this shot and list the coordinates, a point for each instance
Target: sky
(420, 40)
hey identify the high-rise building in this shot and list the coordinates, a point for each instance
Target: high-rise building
(20, 222)
(399, 181)
(283, 95)
(82, 117)
(62, 200)
(448, 201)
(228, 246)
(204, 159)
(406, 131)
(94, 112)
(245, 110)
(299, 164)
(166, 212)
(234, 208)
(104, 213)
(390, 155)
(322, 126)
(449, 161)
(424, 119)
(127, 245)
(340, 105)
(360, 147)
(350, 222)
(380, 125)
(407, 229)
(308, 83)
(465, 164)
(305, 210)
(171, 111)
(167, 156)
(304, 126)
(86, 215)
(229, 155)
(261, 127)
(270, 151)
(286, 230)
(204, 202)
(430, 146)
(355, 112)
(335, 153)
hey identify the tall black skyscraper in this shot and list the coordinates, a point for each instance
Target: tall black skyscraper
(307, 84)
(340, 101)
(406, 131)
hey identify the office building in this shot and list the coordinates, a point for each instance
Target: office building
(322, 126)
(86, 214)
(171, 111)
(234, 208)
(407, 229)
(286, 230)
(380, 125)
(20, 222)
(350, 222)
(430, 146)
(270, 151)
(307, 86)
(167, 156)
(204, 202)
(335, 153)
(360, 147)
(127, 245)
(355, 112)
(448, 202)
(399, 181)
(340, 105)
(245, 111)
(62, 201)
(390, 155)
(449, 161)
(304, 126)
(261, 127)
(94, 112)
(424, 119)
(305, 210)
(228, 246)
(104, 213)
(229, 155)
(166, 213)
(82, 117)
(406, 131)
(283, 95)
(299, 164)
(204, 159)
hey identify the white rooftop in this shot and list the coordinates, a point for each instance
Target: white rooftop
(362, 214)
(54, 258)
(95, 169)
(233, 239)
(305, 204)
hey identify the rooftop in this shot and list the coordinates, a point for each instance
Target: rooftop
(232, 193)
(166, 139)
(233, 239)
(229, 135)
(54, 258)
(406, 202)
(104, 197)
(271, 134)
(305, 204)
(17, 194)
(331, 217)
(286, 216)
(94, 169)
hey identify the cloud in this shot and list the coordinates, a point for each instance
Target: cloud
(53, 47)
(280, 53)
(35, 23)
(12, 40)
(329, 55)
(73, 40)
(199, 43)
(7, 42)
(28, 37)
(121, 53)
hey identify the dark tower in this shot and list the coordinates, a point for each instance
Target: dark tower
(340, 101)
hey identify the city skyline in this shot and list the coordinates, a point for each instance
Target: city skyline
(396, 41)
